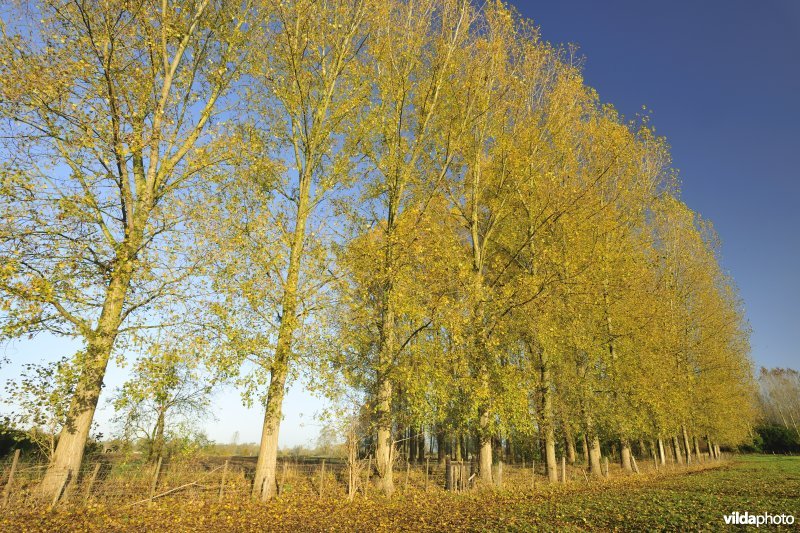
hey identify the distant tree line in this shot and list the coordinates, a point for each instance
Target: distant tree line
(778, 427)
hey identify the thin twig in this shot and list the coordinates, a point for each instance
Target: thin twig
(195, 483)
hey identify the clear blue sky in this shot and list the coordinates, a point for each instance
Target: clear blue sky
(723, 81)
(722, 78)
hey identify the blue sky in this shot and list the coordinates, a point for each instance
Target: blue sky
(722, 79)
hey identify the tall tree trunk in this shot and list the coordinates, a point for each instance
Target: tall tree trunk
(625, 455)
(676, 450)
(551, 463)
(570, 439)
(264, 485)
(547, 419)
(68, 455)
(484, 422)
(592, 444)
(384, 447)
(687, 448)
(441, 449)
(585, 443)
(485, 451)
(384, 455)
(696, 446)
(594, 457)
(421, 445)
(479, 340)
(662, 457)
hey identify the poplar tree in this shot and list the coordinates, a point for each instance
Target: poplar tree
(109, 117)
(413, 52)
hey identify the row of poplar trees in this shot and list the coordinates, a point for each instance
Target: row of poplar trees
(418, 202)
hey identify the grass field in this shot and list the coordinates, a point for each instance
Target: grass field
(675, 501)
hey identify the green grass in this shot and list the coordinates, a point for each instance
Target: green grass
(674, 501)
(696, 501)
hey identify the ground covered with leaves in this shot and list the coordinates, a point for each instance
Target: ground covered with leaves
(678, 500)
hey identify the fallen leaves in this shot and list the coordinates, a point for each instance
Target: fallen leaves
(665, 502)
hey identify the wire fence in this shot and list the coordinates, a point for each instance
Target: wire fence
(118, 482)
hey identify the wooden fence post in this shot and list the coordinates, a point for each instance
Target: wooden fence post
(563, 470)
(224, 479)
(448, 474)
(7, 489)
(155, 479)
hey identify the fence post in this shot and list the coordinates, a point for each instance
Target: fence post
(448, 474)
(322, 479)
(563, 470)
(92, 480)
(224, 479)
(155, 478)
(7, 489)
